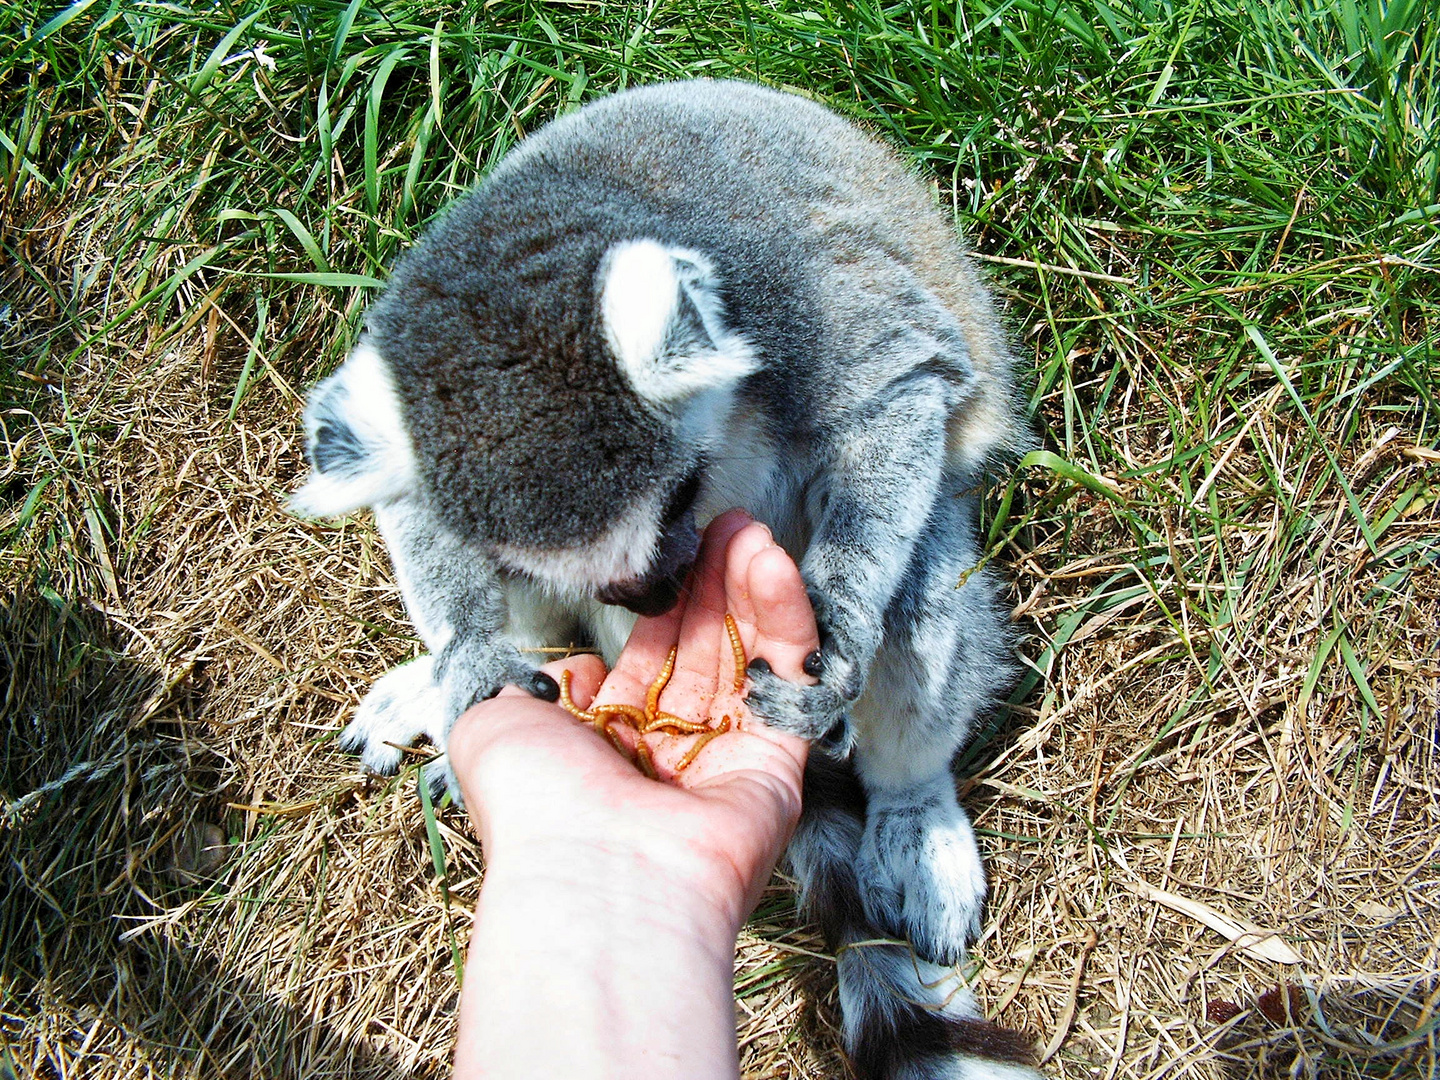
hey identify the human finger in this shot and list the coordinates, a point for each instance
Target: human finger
(785, 629)
(643, 655)
(703, 643)
(744, 546)
(651, 640)
(586, 670)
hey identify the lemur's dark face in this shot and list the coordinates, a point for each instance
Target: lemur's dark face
(630, 542)
(656, 591)
(559, 395)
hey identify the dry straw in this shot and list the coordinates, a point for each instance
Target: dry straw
(1141, 851)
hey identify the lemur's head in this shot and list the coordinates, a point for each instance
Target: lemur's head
(556, 406)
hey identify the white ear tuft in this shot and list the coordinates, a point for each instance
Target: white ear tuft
(641, 290)
(665, 322)
(358, 446)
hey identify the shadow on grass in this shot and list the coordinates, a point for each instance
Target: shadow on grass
(101, 803)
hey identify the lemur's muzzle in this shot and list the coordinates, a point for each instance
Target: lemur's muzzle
(656, 592)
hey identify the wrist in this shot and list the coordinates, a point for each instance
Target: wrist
(617, 891)
(594, 966)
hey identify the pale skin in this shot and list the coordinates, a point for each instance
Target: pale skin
(605, 934)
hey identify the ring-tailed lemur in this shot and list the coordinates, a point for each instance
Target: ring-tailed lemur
(676, 300)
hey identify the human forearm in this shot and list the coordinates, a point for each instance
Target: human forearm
(600, 966)
(605, 935)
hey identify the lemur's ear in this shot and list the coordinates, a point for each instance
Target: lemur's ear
(665, 322)
(359, 449)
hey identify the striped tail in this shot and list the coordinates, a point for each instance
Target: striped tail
(903, 1017)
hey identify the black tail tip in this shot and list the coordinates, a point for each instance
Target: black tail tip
(922, 1045)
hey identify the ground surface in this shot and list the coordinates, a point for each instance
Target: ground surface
(1212, 816)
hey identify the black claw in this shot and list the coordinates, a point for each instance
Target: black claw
(838, 740)
(758, 664)
(814, 664)
(438, 787)
(544, 687)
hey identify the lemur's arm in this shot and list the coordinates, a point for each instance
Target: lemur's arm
(877, 492)
(361, 455)
(454, 596)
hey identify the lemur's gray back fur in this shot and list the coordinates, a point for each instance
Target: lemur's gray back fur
(820, 251)
(679, 299)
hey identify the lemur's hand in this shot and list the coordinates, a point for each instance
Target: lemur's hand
(835, 675)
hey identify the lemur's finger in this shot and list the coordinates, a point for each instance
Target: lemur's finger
(544, 687)
(586, 672)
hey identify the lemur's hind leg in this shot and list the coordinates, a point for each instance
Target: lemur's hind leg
(904, 1017)
(947, 658)
(402, 705)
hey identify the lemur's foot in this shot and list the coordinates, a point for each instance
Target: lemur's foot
(406, 703)
(402, 705)
(438, 775)
(919, 870)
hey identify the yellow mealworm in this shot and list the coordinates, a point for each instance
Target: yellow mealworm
(700, 744)
(738, 649)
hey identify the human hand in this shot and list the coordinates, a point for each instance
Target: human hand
(605, 936)
(550, 793)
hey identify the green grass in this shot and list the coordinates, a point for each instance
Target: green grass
(1234, 168)
(1214, 224)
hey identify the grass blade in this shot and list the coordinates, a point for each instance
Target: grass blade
(262, 307)
(437, 860)
(307, 240)
(220, 52)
